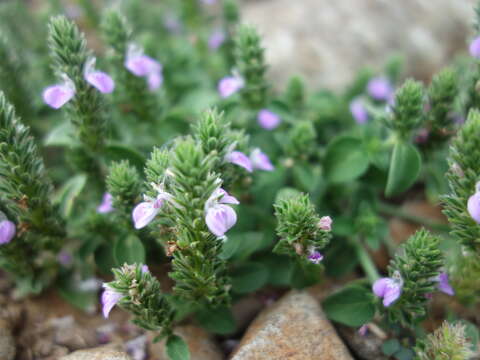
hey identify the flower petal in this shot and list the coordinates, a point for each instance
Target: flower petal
(358, 111)
(229, 85)
(7, 231)
(268, 119)
(110, 298)
(240, 159)
(144, 213)
(474, 48)
(444, 284)
(101, 81)
(380, 88)
(154, 80)
(106, 205)
(58, 95)
(261, 161)
(473, 207)
(142, 65)
(380, 286)
(392, 293)
(220, 219)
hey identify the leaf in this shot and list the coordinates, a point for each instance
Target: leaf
(346, 159)
(68, 193)
(129, 250)
(61, 135)
(177, 348)
(104, 258)
(404, 168)
(304, 275)
(219, 320)
(83, 300)
(249, 277)
(280, 269)
(117, 152)
(390, 347)
(351, 306)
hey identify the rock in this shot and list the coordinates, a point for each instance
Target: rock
(7, 342)
(365, 347)
(329, 41)
(99, 353)
(294, 328)
(199, 343)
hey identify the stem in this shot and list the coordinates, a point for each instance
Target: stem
(398, 212)
(365, 261)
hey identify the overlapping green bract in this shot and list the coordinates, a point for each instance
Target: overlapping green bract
(298, 228)
(124, 184)
(418, 265)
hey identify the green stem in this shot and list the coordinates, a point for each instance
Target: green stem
(365, 261)
(398, 212)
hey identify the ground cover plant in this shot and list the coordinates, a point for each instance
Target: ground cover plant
(160, 143)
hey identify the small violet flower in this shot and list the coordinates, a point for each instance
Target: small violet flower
(110, 298)
(216, 39)
(475, 48)
(58, 95)
(7, 231)
(64, 258)
(359, 111)
(473, 204)
(220, 217)
(106, 205)
(444, 285)
(240, 159)
(314, 256)
(229, 85)
(208, 2)
(268, 119)
(362, 331)
(389, 289)
(142, 65)
(98, 79)
(146, 211)
(380, 88)
(260, 160)
(145, 269)
(325, 223)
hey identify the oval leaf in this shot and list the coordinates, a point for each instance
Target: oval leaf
(117, 152)
(129, 250)
(404, 168)
(249, 277)
(346, 160)
(177, 348)
(218, 321)
(352, 306)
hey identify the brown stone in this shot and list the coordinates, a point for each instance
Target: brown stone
(99, 353)
(199, 343)
(294, 328)
(7, 342)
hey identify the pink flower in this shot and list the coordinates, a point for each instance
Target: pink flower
(475, 48)
(358, 111)
(218, 216)
(230, 85)
(389, 289)
(106, 205)
(110, 298)
(146, 211)
(7, 231)
(325, 223)
(473, 206)
(268, 119)
(145, 269)
(315, 257)
(144, 66)
(58, 95)
(444, 285)
(216, 39)
(380, 88)
(240, 159)
(154, 80)
(98, 79)
(363, 330)
(260, 160)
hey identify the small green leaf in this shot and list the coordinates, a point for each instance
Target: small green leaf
(177, 348)
(104, 258)
(83, 300)
(351, 306)
(390, 347)
(249, 277)
(404, 168)
(129, 250)
(68, 193)
(219, 320)
(346, 159)
(61, 135)
(304, 274)
(117, 152)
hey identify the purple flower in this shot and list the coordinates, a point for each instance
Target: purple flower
(208, 2)
(58, 95)
(315, 257)
(325, 223)
(444, 285)
(229, 85)
(110, 298)
(172, 24)
(106, 205)
(268, 119)
(142, 65)
(389, 289)
(363, 330)
(380, 88)
(260, 160)
(358, 111)
(218, 216)
(98, 79)
(216, 39)
(154, 80)
(473, 204)
(145, 269)
(146, 211)
(64, 258)
(475, 48)
(7, 231)
(240, 159)
(137, 348)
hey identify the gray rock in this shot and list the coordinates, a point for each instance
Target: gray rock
(7, 342)
(99, 353)
(294, 328)
(328, 41)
